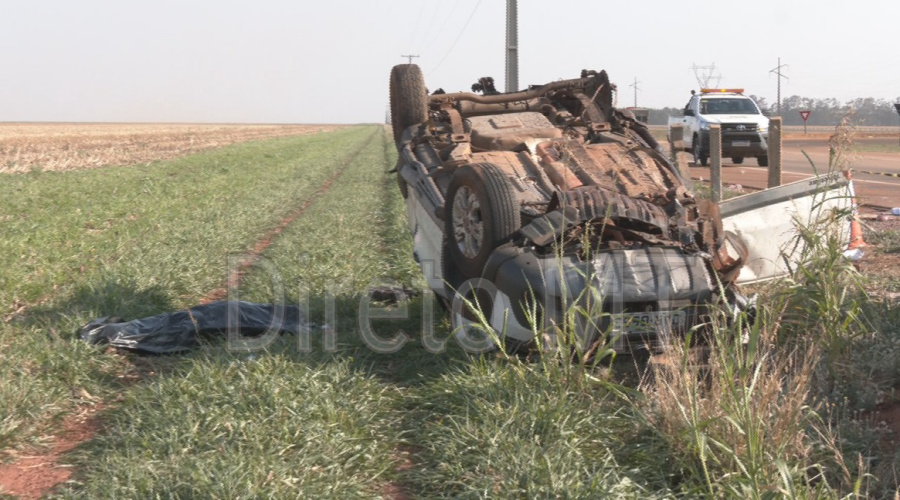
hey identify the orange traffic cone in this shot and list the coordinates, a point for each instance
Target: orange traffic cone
(856, 235)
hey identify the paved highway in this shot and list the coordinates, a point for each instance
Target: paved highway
(876, 167)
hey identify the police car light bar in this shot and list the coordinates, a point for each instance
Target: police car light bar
(722, 91)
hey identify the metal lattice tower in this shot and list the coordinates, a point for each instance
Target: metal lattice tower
(705, 75)
(636, 89)
(777, 71)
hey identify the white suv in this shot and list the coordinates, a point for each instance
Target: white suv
(745, 130)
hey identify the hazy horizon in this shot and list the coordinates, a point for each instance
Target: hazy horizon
(275, 61)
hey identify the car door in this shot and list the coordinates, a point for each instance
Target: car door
(767, 222)
(689, 122)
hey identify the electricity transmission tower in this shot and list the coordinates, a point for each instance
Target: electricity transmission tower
(636, 89)
(410, 57)
(705, 75)
(777, 71)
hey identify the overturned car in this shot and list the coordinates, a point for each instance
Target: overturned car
(532, 201)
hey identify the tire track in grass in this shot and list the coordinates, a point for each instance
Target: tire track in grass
(221, 293)
(36, 475)
(372, 223)
(20, 308)
(394, 489)
(322, 213)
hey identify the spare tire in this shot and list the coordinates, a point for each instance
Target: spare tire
(480, 213)
(409, 101)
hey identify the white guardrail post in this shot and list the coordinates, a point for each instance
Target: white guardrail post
(676, 145)
(774, 151)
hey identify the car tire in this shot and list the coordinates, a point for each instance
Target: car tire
(762, 161)
(737, 160)
(699, 158)
(409, 100)
(480, 213)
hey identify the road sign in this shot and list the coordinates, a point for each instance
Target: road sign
(805, 115)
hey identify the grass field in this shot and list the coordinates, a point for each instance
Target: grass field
(879, 147)
(63, 146)
(791, 416)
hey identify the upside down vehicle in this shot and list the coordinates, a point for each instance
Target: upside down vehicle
(531, 201)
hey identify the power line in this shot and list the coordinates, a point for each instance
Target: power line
(463, 30)
(437, 7)
(415, 30)
(410, 57)
(777, 71)
(440, 29)
(636, 89)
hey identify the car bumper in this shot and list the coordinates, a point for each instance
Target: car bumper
(738, 144)
(640, 298)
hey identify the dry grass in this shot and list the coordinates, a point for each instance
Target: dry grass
(69, 146)
(741, 413)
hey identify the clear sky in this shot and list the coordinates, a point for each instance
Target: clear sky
(299, 61)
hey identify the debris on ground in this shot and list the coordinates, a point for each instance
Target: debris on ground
(181, 331)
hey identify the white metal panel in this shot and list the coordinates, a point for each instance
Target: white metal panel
(768, 221)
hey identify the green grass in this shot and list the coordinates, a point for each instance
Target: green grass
(863, 146)
(225, 426)
(163, 224)
(704, 190)
(507, 430)
(347, 422)
(130, 241)
(888, 240)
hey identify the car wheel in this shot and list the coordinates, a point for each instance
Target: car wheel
(762, 161)
(409, 100)
(737, 160)
(480, 212)
(699, 158)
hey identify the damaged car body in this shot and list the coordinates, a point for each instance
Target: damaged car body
(531, 201)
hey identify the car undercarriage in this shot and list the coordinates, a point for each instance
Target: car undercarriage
(531, 201)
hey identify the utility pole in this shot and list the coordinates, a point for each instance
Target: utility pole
(636, 88)
(410, 57)
(512, 46)
(777, 71)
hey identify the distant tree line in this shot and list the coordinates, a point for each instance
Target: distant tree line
(867, 110)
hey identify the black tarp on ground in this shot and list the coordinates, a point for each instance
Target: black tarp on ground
(181, 331)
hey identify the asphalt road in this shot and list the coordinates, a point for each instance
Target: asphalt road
(875, 164)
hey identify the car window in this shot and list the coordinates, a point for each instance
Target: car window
(728, 106)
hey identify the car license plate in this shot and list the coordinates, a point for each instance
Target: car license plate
(740, 144)
(650, 322)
